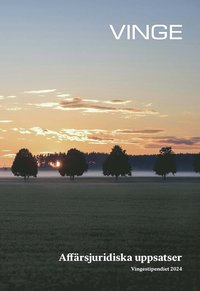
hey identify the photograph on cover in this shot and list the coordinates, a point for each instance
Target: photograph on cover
(99, 145)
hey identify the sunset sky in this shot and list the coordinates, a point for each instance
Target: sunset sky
(66, 82)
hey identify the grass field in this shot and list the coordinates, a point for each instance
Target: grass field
(44, 217)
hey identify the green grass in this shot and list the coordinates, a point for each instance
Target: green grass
(43, 218)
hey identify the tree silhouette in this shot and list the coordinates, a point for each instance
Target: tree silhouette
(196, 163)
(73, 164)
(117, 163)
(165, 162)
(24, 164)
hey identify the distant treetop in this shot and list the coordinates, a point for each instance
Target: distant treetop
(73, 164)
(196, 163)
(117, 163)
(25, 164)
(165, 162)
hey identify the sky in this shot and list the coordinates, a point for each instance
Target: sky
(66, 82)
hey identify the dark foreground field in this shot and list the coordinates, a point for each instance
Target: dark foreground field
(43, 218)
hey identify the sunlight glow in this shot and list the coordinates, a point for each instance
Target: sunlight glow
(57, 164)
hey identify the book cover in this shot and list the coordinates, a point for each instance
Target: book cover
(99, 145)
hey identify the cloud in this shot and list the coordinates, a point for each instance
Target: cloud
(47, 104)
(67, 134)
(118, 101)
(188, 143)
(71, 101)
(11, 156)
(14, 108)
(152, 146)
(21, 130)
(6, 121)
(77, 104)
(101, 138)
(90, 106)
(144, 131)
(63, 95)
(8, 97)
(78, 99)
(55, 104)
(91, 136)
(157, 137)
(91, 100)
(173, 140)
(115, 101)
(147, 138)
(43, 91)
(183, 141)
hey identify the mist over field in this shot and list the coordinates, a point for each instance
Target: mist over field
(96, 174)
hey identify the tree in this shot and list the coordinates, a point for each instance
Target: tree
(117, 163)
(25, 164)
(196, 163)
(165, 162)
(73, 164)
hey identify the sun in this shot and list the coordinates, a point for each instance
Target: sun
(56, 164)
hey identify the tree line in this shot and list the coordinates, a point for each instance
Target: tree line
(146, 162)
(74, 163)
